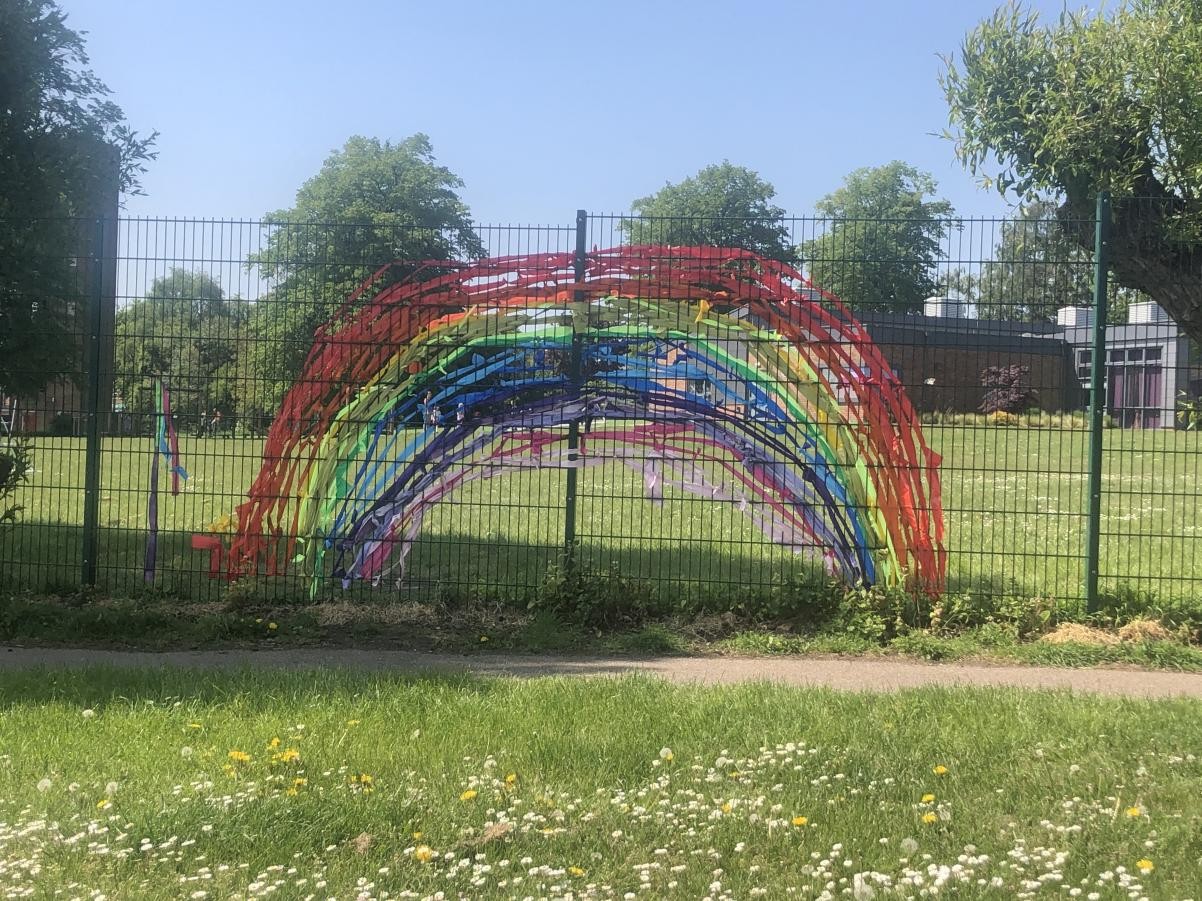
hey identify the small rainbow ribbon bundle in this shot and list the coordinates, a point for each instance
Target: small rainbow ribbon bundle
(166, 445)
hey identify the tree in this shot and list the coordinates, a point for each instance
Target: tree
(55, 118)
(184, 329)
(1090, 104)
(1008, 390)
(373, 202)
(883, 242)
(722, 205)
(1035, 270)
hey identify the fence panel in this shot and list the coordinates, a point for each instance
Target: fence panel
(352, 417)
(1150, 538)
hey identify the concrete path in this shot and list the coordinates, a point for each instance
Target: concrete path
(838, 673)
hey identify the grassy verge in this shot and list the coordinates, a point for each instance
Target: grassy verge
(168, 784)
(981, 644)
(154, 623)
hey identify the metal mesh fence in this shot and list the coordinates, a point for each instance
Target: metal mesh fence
(355, 413)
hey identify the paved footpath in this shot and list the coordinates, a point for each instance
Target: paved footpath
(845, 674)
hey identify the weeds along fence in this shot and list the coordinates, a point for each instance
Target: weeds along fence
(356, 414)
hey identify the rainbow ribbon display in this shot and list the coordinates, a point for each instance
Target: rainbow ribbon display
(710, 371)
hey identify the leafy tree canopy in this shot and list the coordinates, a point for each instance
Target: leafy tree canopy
(186, 330)
(722, 205)
(1037, 269)
(1094, 103)
(56, 119)
(371, 203)
(884, 239)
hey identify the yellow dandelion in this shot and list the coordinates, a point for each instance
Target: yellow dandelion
(735, 774)
(511, 779)
(1134, 812)
(576, 871)
(928, 798)
(424, 853)
(929, 818)
(468, 795)
(727, 808)
(940, 770)
(292, 792)
(239, 756)
(483, 638)
(418, 835)
(800, 821)
(273, 744)
(195, 726)
(1145, 866)
(299, 781)
(104, 804)
(272, 626)
(352, 722)
(288, 755)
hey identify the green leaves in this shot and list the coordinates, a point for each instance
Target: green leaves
(1092, 103)
(55, 117)
(722, 205)
(372, 202)
(884, 239)
(186, 330)
(1086, 104)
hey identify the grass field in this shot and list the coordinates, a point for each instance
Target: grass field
(177, 784)
(1014, 501)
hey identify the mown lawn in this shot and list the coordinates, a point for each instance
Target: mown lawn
(1014, 500)
(176, 784)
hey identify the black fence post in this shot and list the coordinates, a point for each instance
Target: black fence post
(575, 376)
(1097, 400)
(93, 352)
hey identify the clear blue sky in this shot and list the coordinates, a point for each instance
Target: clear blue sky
(540, 107)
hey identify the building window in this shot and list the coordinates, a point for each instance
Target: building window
(1084, 367)
(1135, 385)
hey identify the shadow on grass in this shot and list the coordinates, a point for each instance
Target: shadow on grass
(46, 558)
(257, 688)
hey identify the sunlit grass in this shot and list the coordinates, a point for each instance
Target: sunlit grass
(167, 783)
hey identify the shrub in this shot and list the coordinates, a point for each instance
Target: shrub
(14, 467)
(1189, 411)
(1031, 419)
(598, 598)
(1008, 391)
(62, 425)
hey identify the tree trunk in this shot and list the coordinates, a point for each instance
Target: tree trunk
(1144, 254)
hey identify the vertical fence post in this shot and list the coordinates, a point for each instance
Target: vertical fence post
(1097, 400)
(93, 350)
(575, 367)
